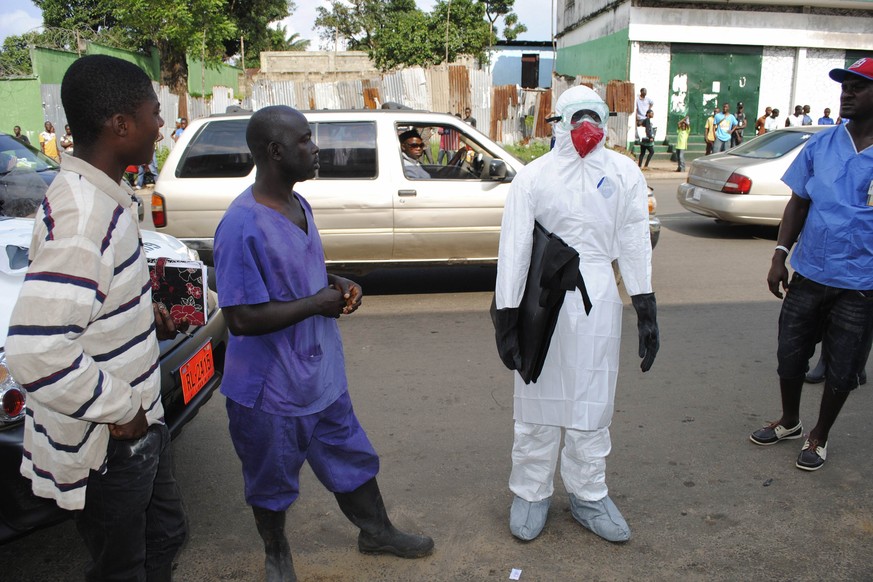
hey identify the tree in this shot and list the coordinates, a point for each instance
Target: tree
(495, 9)
(397, 33)
(467, 32)
(15, 56)
(359, 22)
(206, 29)
(253, 18)
(512, 28)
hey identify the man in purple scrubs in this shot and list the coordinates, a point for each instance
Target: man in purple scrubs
(285, 382)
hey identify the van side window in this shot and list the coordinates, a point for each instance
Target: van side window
(219, 150)
(346, 150)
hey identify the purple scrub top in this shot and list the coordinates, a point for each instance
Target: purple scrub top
(261, 256)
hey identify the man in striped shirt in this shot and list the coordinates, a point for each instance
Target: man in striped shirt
(82, 338)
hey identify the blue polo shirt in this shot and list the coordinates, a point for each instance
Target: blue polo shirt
(261, 256)
(836, 244)
(723, 126)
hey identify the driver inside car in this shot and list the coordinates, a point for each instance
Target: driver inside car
(412, 148)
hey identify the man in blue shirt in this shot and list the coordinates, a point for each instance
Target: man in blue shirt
(725, 122)
(285, 381)
(826, 120)
(830, 297)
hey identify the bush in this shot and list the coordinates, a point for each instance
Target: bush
(161, 154)
(529, 151)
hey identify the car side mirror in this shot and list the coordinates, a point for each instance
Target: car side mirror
(497, 170)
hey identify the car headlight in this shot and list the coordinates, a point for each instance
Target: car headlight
(12, 395)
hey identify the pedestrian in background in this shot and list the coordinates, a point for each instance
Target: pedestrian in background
(807, 120)
(67, 141)
(830, 296)
(647, 141)
(709, 132)
(181, 124)
(772, 123)
(468, 117)
(682, 132)
(796, 118)
(737, 134)
(725, 123)
(48, 142)
(826, 118)
(16, 133)
(644, 103)
(448, 144)
(761, 123)
(83, 338)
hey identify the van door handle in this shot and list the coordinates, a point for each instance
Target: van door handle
(406, 193)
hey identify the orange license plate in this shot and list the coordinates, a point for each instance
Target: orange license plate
(196, 372)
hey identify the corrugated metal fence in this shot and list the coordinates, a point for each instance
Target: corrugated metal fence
(506, 113)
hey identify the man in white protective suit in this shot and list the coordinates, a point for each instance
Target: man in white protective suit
(596, 201)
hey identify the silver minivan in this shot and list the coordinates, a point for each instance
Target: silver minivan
(368, 211)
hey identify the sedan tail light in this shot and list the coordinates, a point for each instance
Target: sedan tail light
(12, 395)
(737, 184)
(159, 216)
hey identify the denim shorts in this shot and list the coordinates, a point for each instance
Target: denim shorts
(842, 319)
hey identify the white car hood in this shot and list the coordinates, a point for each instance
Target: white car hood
(15, 234)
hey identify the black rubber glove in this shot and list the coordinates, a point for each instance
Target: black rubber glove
(647, 324)
(506, 333)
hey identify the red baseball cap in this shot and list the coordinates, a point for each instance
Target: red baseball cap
(861, 67)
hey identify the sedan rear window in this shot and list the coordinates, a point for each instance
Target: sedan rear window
(218, 150)
(771, 145)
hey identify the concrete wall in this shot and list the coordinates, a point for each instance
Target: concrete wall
(201, 80)
(150, 63)
(25, 109)
(750, 28)
(505, 66)
(799, 76)
(650, 68)
(316, 66)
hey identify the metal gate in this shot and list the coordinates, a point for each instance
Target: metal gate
(703, 77)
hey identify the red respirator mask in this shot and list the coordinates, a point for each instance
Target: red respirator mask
(586, 137)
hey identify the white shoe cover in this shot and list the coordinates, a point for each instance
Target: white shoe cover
(527, 519)
(601, 517)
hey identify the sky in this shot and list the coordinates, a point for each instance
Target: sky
(19, 16)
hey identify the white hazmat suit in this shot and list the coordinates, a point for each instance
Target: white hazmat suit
(599, 206)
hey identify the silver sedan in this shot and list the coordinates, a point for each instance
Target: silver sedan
(744, 185)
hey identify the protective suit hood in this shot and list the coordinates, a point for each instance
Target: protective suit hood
(571, 101)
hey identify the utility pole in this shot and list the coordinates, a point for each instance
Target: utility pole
(448, 14)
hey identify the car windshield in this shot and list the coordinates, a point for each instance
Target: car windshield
(771, 145)
(25, 174)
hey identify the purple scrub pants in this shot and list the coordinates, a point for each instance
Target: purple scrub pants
(272, 449)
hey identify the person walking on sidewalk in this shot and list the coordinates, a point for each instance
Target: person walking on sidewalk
(709, 132)
(682, 132)
(285, 380)
(830, 296)
(647, 141)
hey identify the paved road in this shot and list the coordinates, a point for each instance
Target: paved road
(703, 502)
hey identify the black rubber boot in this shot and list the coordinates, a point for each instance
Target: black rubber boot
(161, 574)
(278, 563)
(364, 508)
